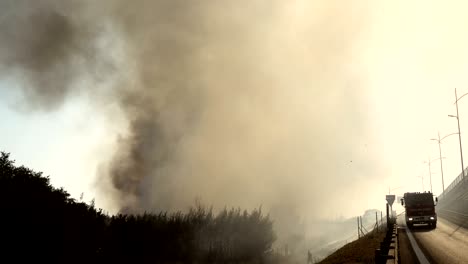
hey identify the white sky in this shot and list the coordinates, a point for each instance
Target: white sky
(416, 54)
(66, 145)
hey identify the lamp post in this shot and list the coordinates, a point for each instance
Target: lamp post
(459, 133)
(430, 173)
(422, 182)
(439, 140)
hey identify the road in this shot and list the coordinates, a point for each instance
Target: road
(448, 243)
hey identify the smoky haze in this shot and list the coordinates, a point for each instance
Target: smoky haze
(232, 103)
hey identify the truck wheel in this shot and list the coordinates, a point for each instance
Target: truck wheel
(434, 225)
(409, 225)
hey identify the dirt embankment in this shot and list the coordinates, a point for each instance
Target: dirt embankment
(359, 251)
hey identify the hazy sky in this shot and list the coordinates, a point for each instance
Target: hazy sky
(315, 106)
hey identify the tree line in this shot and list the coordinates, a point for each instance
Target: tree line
(43, 222)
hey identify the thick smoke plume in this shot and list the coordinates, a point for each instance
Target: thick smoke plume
(235, 103)
(47, 46)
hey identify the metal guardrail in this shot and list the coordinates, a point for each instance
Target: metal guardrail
(388, 251)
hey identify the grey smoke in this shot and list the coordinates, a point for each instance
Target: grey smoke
(47, 46)
(237, 104)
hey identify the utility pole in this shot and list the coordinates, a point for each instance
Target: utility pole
(422, 182)
(430, 173)
(376, 221)
(358, 229)
(459, 133)
(441, 169)
(439, 141)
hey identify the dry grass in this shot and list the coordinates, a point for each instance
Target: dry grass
(359, 251)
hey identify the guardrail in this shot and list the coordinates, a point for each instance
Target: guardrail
(388, 251)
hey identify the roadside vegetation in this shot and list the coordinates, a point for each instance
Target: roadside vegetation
(358, 251)
(42, 222)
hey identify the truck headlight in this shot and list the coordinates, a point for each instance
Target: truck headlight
(410, 219)
(432, 218)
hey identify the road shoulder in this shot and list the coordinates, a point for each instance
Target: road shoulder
(406, 252)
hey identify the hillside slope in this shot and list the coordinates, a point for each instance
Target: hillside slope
(358, 251)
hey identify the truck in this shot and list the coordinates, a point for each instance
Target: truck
(420, 208)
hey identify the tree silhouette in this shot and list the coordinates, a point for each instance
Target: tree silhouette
(43, 222)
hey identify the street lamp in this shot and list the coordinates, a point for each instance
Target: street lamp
(459, 133)
(439, 140)
(422, 182)
(430, 173)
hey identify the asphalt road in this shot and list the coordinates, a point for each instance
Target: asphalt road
(448, 243)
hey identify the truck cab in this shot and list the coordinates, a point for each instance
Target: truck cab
(420, 208)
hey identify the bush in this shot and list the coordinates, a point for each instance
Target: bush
(42, 221)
